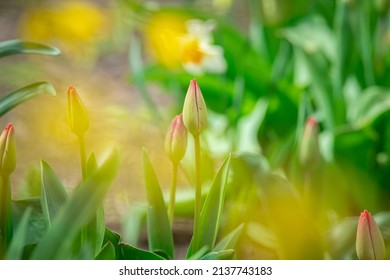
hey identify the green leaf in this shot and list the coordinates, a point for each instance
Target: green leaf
(107, 252)
(221, 255)
(53, 194)
(15, 250)
(78, 210)
(230, 240)
(95, 230)
(37, 225)
(262, 235)
(23, 94)
(92, 165)
(159, 229)
(24, 47)
(212, 211)
(132, 253)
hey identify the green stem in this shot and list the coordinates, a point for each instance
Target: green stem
(171, 206)
(83, 157)
(6, 226)
(198, 193)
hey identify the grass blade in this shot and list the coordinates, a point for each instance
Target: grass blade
(78, 210)
(212, 211)
(159, 229)
(23, 94)
(11, 47)
(221, 255)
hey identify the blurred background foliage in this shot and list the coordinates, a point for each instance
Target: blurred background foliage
(264, 67)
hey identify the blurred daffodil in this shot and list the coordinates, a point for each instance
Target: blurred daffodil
(181, 42)
(74, 26)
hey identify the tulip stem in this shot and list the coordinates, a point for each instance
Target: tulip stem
(6, 226)
(83, 157)
(171, 207)
(198, 193)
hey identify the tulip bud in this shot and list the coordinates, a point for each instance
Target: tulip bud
(369, 241)
(176, 140)
(309, 154)
(77, 115)
(194, 110)
(7, 151)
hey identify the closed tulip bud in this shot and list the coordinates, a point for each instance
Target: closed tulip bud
(176, 140)
(369, 241)
(309, 153)
(76, 113)
(7, 151)
(194, 110)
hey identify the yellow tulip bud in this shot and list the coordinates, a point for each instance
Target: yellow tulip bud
(77, 115)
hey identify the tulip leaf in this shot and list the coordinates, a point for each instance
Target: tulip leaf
(230, 240)
(159, 229)
(92, 165)
(212, 211)
(132, 253)
(12, 47)
(221, 255)
(53, 194)
(107, 252)
(77, 211)
(15, 250)
(23, 94)
(37, 225)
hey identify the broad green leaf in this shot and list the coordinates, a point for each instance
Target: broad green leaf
(133, 223)
(24, 47)
(132, 253)
(159, 229)
(212, 211)
(107, 252)
(115, 239)
(53, 193)
(37, 225)
(221, 255)
(23, 94)
(78, 210)
(15, 250)
(230, 240)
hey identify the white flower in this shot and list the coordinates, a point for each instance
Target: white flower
(198, 54)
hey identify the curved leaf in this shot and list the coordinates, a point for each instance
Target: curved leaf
(230, 240)
(107, 252)
(132, 253)
(212, 211)
(23, 94)
(11, 47)
(78, 210)
(159, 229)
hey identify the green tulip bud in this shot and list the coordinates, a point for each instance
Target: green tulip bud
(309, 153)
(7, 151)
(194, 110)
(369, 241)
(176, 140)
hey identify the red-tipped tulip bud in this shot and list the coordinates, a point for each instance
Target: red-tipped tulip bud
(309, 153)
(369, 240)
(194, 110)
(76, 113)
(7, 151)
(176, 140)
